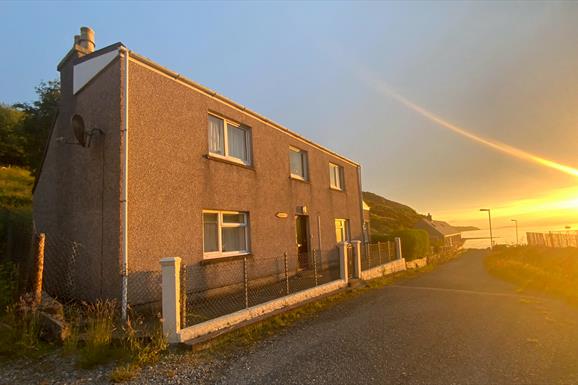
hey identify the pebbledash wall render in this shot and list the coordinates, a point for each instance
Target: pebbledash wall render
(173, 177)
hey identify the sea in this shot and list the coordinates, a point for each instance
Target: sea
(507, 235)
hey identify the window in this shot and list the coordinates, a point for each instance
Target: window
(336, 176)
(229, 140)
(225, 233)
(298, 163)
(342, 230)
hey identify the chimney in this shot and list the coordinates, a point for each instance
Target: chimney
(86, 39)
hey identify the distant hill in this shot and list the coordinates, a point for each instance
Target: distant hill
(466, 228)
(387, 216)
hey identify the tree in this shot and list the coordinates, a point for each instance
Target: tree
(12, 141)
(37, 122)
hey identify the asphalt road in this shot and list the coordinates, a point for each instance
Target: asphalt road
(455, 325)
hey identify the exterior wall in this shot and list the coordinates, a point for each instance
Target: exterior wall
(76, 199)
(171, 179)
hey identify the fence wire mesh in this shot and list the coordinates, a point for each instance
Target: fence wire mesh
(70, 271)
(377, 254)
(210, 290)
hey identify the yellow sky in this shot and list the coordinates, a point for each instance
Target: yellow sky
(544, 207)
(554, 207)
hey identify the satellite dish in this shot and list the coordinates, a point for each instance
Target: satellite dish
(79, 129)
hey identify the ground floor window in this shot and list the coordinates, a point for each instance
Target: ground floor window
(342, 230)
(225, 233)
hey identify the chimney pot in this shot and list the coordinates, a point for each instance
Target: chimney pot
(86, 40)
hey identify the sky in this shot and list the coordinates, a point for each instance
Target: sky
(335, 72)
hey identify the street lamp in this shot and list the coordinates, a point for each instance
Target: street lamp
(490, 220)
(516, 221)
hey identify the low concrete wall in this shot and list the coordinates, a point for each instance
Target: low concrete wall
(226, 321)
(416, 263)
(386, 269)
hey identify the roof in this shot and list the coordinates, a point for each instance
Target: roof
(209, 92)
(443, 228)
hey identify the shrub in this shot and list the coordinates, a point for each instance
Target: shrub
(414, 243)
(8, 284)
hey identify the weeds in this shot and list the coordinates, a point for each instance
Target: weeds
(97, 347)
(124, 373)
(20, 333)
(143, 350)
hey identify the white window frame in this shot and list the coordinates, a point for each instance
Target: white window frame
(304, 163)
(220, 224)
(226, 123)
(340, 176)
(344, 227)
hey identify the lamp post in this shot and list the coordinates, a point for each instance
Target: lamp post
(491, 235)
(516, 222)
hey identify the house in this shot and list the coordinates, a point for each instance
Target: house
(442, 235)
(144, 164)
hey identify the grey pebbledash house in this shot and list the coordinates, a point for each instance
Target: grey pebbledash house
(143, 164)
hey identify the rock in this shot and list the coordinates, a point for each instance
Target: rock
(52, 328)
(51, 306)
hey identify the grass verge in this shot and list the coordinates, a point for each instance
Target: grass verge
(547, 270)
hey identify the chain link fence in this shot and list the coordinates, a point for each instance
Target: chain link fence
(68, 271)
(210, 290)
(377, 254)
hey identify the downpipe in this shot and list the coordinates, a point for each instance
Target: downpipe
(124, 196)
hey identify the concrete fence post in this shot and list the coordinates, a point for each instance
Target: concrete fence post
(343, 268)
(357, 258)
(398, 248)
(171, 297)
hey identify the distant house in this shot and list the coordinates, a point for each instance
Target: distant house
(442, 235)
(199, 177)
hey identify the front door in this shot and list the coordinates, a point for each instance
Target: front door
(302, 231)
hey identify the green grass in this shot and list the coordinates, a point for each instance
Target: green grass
(15, 187)
(547, 270)
(15, 219)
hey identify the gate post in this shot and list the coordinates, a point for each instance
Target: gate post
(343, 257)
(357, 258)
(398, 248)
(171, 296)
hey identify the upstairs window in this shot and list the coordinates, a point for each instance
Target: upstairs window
(298, 163)
(336, 177)
(229, 140)
(225, 233)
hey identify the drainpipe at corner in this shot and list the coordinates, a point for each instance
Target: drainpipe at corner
(124, 196)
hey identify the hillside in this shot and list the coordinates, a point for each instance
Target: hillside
(387, 216)
(15, 212)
